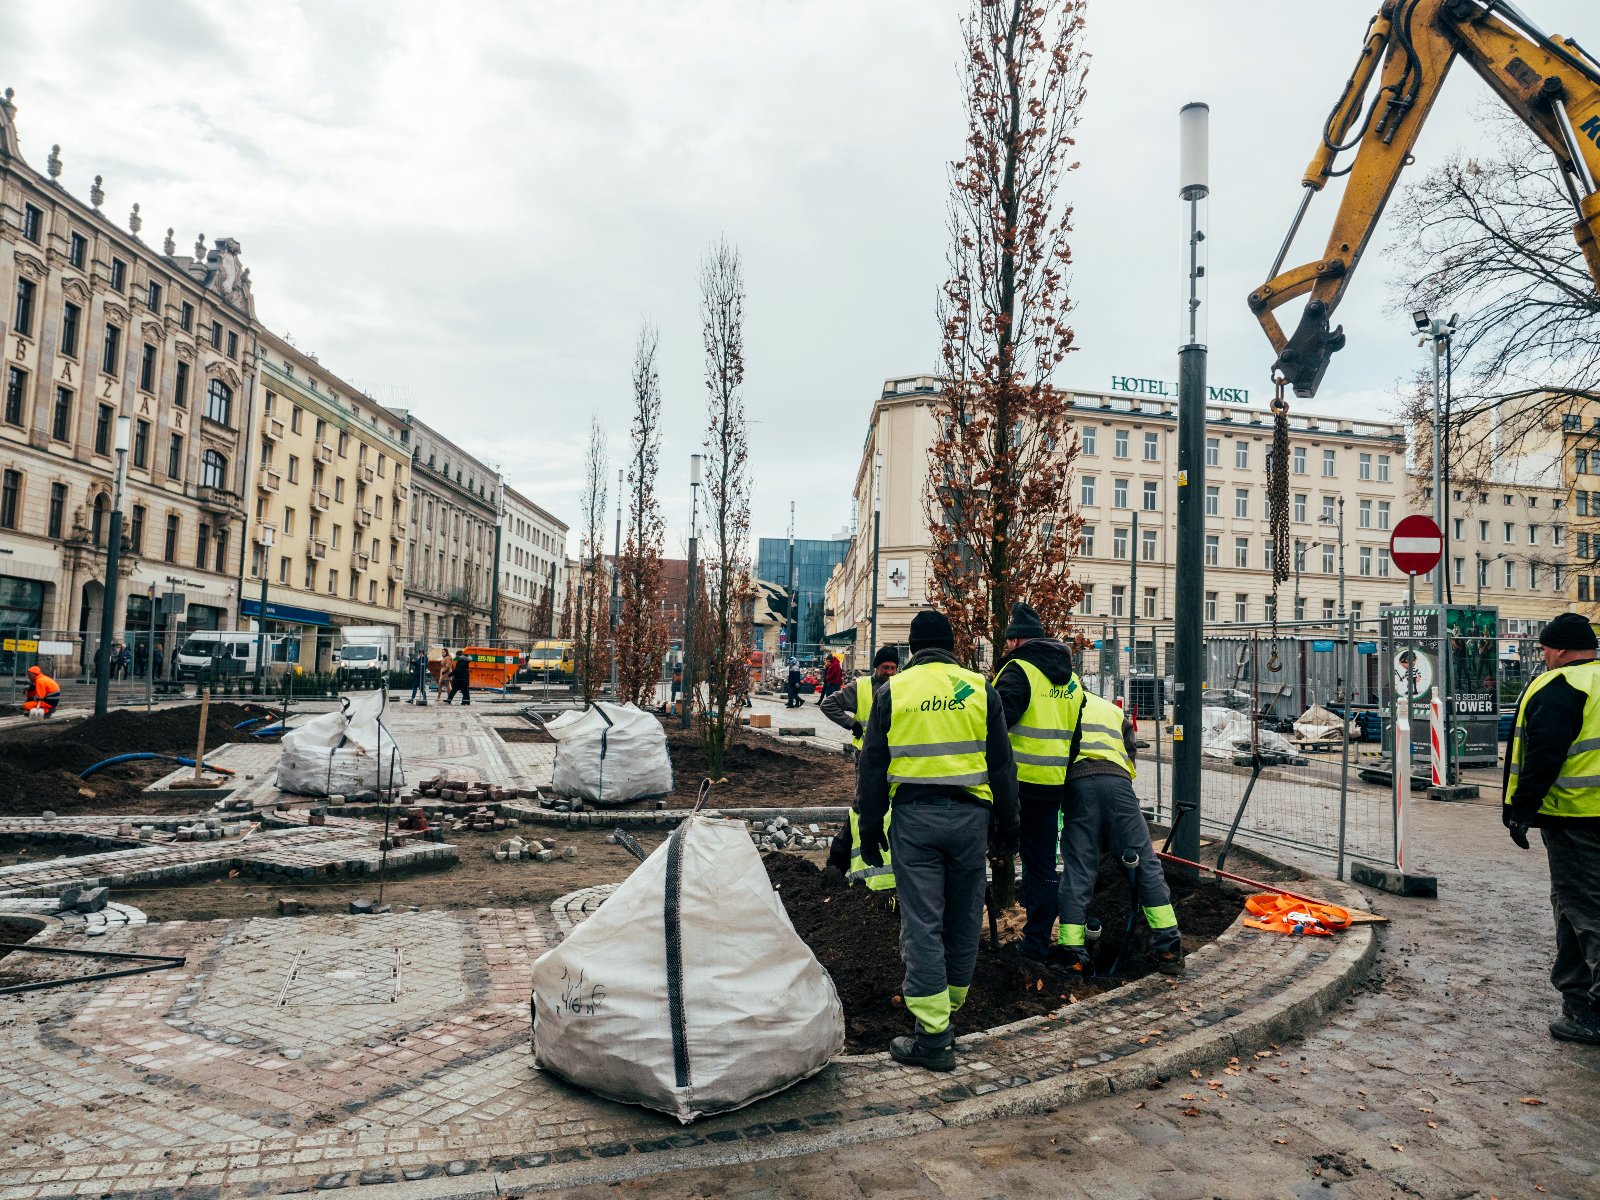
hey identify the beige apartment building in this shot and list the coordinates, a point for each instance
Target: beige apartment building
(533, 556)
(331, 483)
(98, 324)
(1348, 485)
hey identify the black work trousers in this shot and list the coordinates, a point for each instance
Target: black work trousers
(1574, 854)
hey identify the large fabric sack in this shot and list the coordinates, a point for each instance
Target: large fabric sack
(610, 754)
(341, 753)
(689, 990)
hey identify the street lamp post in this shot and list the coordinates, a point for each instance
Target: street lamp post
(261, 612)
(1339, 523)
(494, 587)
(877, 524)
(1438, 332)
(695, 461)
(108, 612)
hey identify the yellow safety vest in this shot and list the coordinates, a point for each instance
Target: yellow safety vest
(877, 879)
(1041, 740)
(939, 728)
(863, 687)
(1576, 791)
(1102, 733)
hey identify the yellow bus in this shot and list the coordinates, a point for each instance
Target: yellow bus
(551, 655)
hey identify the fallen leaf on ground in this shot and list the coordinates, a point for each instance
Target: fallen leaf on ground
(1433, 1124)
(1280, 1141)
(1396, 1146)
(1140, 1104)
(1193, 1074)
(1191, 1111)
(1532, 1100)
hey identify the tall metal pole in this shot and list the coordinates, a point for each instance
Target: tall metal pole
(794, 591)
(1193, 122)
(1133, 619)
(1341, 558)
(1441, 674)
(108, 611)
(877, 525)
(688, 613)
(494, 588)
(261, 612)
(616, 576)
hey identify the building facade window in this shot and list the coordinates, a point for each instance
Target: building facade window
(1383, 468)
(1241, 552)
(1119, 595)
(1213, 549)
(32, 223)
(22, 316)
(1152, 447)
(169, 551)
(102, 429)
(1086, 490)
(141, 443)
(1383, 517)
(58, 508)
(1241, 502)
(147, 369)
(1241, 454)
(1151, 495)
(1119, 543)
(1364, 519)
(1298, 458)
(219, 403)
(16, 394)
(1213, 452)
(213, 470)
(10, 498)
(111, 351)
(1241, 607)
(1366, 560)
(1213, 501)
(1364, 466)
(1119, 493)
(136, 529)
(186, 317)
(175, 457)
(152, 296)
(1211, 606)
(71, 321)
(1148, 544)
(1119, 441)
(1329, 461)
(119, 275)
(77, 250)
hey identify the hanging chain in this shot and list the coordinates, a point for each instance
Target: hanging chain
(1278, 499)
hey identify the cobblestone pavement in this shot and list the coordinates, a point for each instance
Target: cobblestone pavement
(1421, 1085)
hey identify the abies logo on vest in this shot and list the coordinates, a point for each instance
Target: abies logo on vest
(958, 699)
(1064, 691)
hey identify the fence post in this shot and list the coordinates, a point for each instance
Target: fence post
(1344, 751)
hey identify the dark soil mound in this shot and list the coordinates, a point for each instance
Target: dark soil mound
(759, 772)
(522, 733)
(40, 761)
(855, 933)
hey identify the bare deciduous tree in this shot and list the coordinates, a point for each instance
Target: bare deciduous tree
(726, 566)
(999, 504)
(593, 651)
(642, 630)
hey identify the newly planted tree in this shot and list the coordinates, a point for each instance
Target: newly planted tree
(642, 631)
(999, 505)
(726, 567)
(593, 650)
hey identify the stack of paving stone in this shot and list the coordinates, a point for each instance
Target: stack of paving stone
(468, 791)
(210, 829)
(514, 849)
(482, 819)
(782, 834)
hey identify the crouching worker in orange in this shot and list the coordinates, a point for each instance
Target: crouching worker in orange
(43, 694)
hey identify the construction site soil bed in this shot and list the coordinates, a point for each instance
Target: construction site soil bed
(758, 772)
(855, 933)
(15, 851)
(15, 933)
(40, 761)
(522, 733)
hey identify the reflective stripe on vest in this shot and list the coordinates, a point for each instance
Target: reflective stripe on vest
(938, 728)
(863, 688)
(1576, 791)
(1102, 733)
(877, 879)
(1041, 740)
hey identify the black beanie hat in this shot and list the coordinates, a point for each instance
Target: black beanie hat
(886, 654)
(1025, 623)
(931, 631)
(1569, 631)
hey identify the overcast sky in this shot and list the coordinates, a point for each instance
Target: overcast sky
(468, 208)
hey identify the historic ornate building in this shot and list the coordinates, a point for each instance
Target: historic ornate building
(97, 325)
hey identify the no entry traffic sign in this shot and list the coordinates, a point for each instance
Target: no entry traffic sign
(1416, 544)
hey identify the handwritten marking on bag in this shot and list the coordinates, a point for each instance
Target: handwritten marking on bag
(577, 1001)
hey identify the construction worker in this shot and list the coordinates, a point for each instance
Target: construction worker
(43, 694)
(936, 751)
(850, 707)
(1552, 782)
(1102, 813)
(1042, 697)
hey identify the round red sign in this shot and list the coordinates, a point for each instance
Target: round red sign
(1416, 544)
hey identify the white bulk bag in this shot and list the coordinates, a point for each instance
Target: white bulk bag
(341, 753)
(689, 990)
(610, 754)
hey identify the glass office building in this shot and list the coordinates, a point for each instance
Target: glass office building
(813, 562)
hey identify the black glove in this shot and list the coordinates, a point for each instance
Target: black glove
(1519, 833)
(857, 729)
(1004, 843)
(873, 844)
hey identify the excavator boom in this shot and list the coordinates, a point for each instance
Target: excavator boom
(1551, 83)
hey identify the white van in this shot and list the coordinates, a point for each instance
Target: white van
(215, 652)
(365, 657)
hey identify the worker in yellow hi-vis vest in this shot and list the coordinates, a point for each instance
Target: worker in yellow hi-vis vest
(849, 707)
(936, 752)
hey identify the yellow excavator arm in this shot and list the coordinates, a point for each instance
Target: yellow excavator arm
(1550, 82)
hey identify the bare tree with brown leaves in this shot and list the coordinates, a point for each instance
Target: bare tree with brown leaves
(726, 567)
(642, 630)
(1489, 237)
(999, 504)
(593, 649)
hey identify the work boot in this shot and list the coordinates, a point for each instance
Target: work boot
(925, 1050)
(1582, 1028)
(1577, 1007)
(1170, 962)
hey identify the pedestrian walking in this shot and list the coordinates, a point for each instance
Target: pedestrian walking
(1102, 813)
(442, 679)
(141, 653)
(792, 684)
(850, 707)
(677, 684)
(1552, 783)
(936, 754)
(419, 677)
(832, 677)
(460, 679)
(158, 657)
(1043, 698)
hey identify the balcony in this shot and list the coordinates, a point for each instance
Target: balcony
(272, 430)
(320, 501)
(367, 474)
(270, 482)
(402, 491)
(363, 517)
(258, 537)
(397, 571)
(363, 561)
(324, 452)
(218, 499)
(317, 548)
